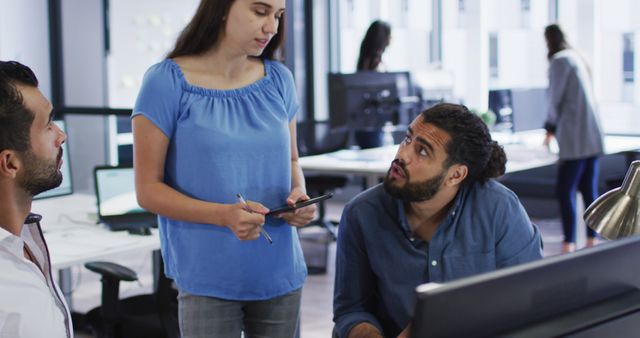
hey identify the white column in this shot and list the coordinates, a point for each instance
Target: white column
(24, 37)
(588, 43)
(477, 77)
(588, 39)
(635, 22)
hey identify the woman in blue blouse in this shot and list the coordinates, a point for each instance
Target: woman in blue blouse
(214, 119)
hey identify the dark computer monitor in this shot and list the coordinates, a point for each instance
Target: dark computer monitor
(589, 293)
(66, 187)
(501, 104)
(366, 100)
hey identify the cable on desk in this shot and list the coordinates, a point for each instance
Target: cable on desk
(74, 221)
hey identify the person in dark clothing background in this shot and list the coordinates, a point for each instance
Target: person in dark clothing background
(373, 45)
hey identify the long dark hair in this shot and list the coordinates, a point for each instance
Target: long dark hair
(203, 31)
(555, 40)
(373, 45)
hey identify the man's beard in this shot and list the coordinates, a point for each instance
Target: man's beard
(40, 175)
(416, 191)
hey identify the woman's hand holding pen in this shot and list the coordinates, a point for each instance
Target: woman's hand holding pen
(244, 223)
(299, 217)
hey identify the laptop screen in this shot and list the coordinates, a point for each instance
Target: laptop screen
(115, 192)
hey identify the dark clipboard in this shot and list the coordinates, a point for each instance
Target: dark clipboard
(287, 208)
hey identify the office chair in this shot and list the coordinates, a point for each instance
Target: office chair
(150, 316)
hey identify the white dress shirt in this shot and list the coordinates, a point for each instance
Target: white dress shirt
(31, 305)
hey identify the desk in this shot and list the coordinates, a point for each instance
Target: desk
(73, 237)
(524, 151)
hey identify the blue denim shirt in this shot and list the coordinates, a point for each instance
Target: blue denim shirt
(379, 262)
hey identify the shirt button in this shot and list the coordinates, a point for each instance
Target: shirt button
(434, 262)
(453, 213)
(412, 239)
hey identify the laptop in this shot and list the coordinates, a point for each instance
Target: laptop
(117, 204)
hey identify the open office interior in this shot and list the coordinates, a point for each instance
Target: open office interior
(489, 55)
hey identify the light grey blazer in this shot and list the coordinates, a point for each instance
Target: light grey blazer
(572, 107)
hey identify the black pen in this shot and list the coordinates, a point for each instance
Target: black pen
(248, 208)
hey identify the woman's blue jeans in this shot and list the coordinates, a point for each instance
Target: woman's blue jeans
(576, 175)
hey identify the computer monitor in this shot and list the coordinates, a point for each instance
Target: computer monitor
(501, 104)
(592, 293)
(366, 100)
(518, 109)
(529, 108)
(66, 187)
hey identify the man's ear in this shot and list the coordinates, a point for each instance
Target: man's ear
(10, 163)
(456, 174)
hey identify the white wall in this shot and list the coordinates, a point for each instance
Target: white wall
(616, 20)
(83, 53)
(321, 59)
(24, 37)
(84, 86)
(465, 50)
(521, 47)
(595, 28)
(410, 22)
(454, 46)
(142, 33)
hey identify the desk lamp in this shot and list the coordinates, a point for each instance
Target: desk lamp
(616, 214)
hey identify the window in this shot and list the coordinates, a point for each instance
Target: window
(627, 58)
(493, 55)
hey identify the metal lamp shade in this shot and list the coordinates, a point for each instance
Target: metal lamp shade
(616, 214)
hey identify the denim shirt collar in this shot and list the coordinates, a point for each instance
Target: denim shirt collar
(400, 207)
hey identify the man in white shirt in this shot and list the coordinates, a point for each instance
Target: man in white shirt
(31, 305)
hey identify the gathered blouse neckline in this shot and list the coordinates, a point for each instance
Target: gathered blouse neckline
(242, 91)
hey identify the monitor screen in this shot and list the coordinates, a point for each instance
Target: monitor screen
(529, 108)
(592, 290)
(500, 103)
(366, 100)
(115, 191)
(518, 109)
(65, 188)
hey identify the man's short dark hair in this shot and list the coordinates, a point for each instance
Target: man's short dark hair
(470, 142)
(15, 117)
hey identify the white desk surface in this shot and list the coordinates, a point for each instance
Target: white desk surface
(524, 151)
(74, 238)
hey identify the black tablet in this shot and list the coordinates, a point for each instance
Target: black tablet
(287, 208)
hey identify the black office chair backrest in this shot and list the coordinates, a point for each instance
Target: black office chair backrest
(150, 316)
(317, 138)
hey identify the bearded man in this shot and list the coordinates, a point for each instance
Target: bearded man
(438, 216)
(31, 305)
